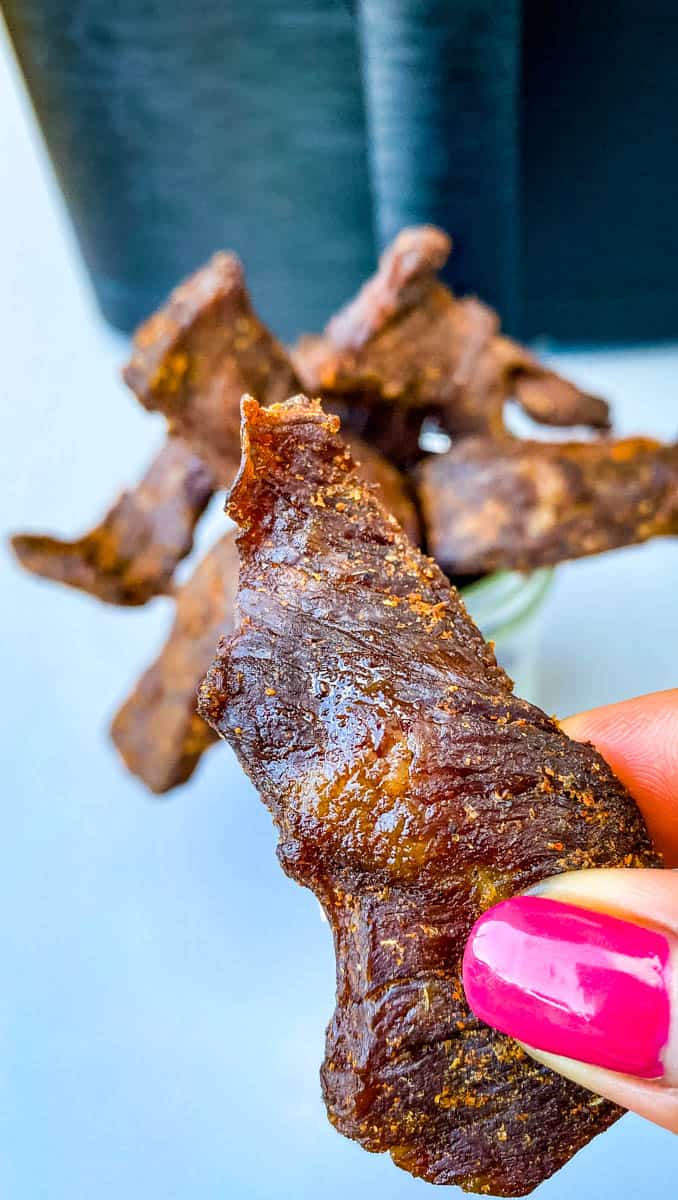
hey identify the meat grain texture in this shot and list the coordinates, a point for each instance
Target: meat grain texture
(411, 790)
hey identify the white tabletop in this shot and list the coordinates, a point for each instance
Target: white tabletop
(164, 987)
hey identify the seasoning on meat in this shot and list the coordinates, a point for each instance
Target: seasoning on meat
(491, 504)
(158, 732)
(132, 554)
(406, 341)
(411, 790)
(392, 487)
(194, 358)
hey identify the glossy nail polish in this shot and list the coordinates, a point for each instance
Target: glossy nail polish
(572, 982)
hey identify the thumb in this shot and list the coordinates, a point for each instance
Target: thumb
(584, 972)
(639, 739)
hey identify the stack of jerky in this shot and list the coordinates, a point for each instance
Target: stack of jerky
(404, 357)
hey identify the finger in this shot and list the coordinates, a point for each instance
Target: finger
(584, 973)
(639, 739)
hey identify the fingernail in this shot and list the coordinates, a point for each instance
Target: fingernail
(573, 982)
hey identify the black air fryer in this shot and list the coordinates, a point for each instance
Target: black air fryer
(304, 135)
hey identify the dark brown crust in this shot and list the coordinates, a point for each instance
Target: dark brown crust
(132, 554)
(411, 790)
(158, 732)
(492, 504)
(406, 341)
(194, 358)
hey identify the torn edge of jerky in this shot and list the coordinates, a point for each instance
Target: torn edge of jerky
(505, 504)
(132, 554)
(411, 790)
(194, 358)
(405, 340)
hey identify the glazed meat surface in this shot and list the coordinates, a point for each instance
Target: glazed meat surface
(132, 554)
(411, 790)
(158, 732)
(407, 342)
(194, 358)
(490, 504)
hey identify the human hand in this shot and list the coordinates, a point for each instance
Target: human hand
(584, 970)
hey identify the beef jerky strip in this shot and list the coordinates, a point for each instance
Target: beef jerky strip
(132, 554)
(195, 357)
(192, 360)
(490, 504)
(158, 732)
(406, 341)
(411, 790)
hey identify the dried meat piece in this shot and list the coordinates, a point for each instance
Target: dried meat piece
(490, 504)
(192, 361)
(132, 554)
(194, 358)
(411, 790)
(406, 341)
(158, 732)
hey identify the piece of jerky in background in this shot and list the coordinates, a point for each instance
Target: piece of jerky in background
(132, 554)
(411, 790)
(491, 504)
(194, 358)
(407, 342)
(158, 732)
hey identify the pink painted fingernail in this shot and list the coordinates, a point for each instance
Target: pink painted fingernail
(572, 982)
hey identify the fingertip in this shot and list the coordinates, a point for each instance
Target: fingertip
(639, 716)
(639, 740)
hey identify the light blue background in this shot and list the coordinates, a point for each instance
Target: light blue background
(164, 989)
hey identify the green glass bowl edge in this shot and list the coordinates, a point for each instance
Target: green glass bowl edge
(541, 580)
